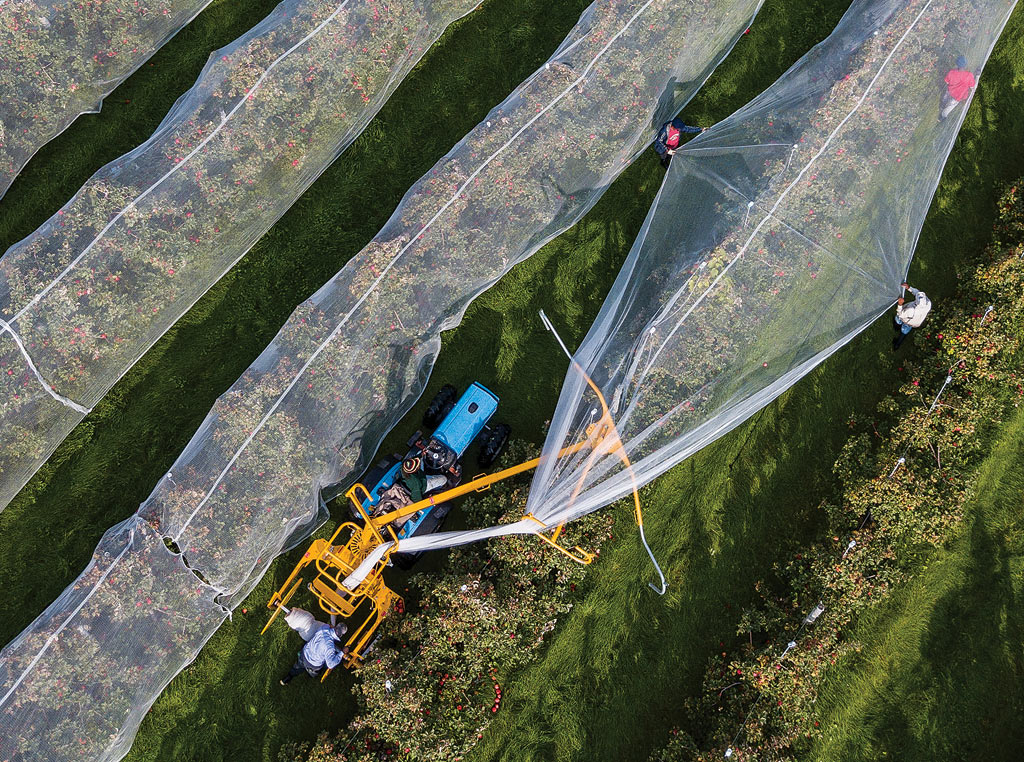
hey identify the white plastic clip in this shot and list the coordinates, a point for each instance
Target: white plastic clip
(816, 612)
(896, 468)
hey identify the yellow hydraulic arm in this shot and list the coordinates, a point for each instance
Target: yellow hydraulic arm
(479, 483)
(351, 544)
(336, 558)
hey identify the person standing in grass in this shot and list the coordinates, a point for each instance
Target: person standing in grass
(959, 84)
(324, 649)
(670, 137)
(910, 315)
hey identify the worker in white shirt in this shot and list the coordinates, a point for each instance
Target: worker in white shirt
(910, 315)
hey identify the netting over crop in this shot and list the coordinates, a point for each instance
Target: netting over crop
(61, 58)
(87, 294)
(353, 358)
(77, 683)
(777, 237)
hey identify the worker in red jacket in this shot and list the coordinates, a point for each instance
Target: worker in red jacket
(959, 84)
(670, 137)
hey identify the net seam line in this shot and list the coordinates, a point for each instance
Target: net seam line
(74, 263)
(405, 248)
(796, 231)
(732, 148)
(53, 636)
(771, 213)
(47, 387)
(705, 439)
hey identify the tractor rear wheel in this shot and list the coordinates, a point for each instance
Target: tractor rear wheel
(440, 406)
(493, 445)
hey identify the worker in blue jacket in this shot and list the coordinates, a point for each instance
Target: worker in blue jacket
(324, 649)
(670, 137)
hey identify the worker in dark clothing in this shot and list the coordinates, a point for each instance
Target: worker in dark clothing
(670, 137)
(959, 84)
(418, 483)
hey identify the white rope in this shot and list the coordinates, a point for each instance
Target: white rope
(941, 390)
(47, 387)
(850, 546)
(896, 468)
(348, 315)
(640, 526)
(657, 568)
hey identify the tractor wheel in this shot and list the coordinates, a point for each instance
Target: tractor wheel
(440, 406)
(493, 445)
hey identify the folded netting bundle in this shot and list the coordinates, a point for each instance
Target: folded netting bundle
(61, 58)
(87, 294)
(354, 357)
(777, 236)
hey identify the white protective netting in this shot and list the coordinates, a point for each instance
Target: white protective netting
(778, 236)
(77, 683)
(354, 357)
(84, 296)
(61, 58)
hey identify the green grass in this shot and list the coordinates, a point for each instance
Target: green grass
(716, 522)
(941, 674)
(612, 682)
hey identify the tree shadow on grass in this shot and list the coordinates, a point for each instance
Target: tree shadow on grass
(111, 461)
(963, 698)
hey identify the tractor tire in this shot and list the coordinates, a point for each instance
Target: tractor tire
(493, 445)
(440, 406)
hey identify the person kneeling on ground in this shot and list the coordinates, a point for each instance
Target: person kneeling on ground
(959, 83)
(669, 138)
(910, 315)
(323, 649)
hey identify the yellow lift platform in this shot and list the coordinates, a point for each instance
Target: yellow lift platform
(336, 558)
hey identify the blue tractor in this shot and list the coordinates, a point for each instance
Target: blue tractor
(433, 463)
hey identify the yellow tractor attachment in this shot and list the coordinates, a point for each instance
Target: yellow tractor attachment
(351, 544)
(336, 558)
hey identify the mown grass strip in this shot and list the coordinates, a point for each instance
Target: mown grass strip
(718, 521)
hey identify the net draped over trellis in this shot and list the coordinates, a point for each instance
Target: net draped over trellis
(61, 58)
(777, 237)
(94, 287)
(348, 364)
